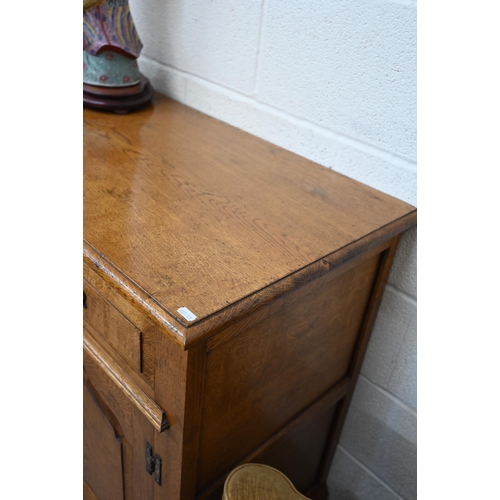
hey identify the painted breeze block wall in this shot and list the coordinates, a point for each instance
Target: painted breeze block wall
(333, 81)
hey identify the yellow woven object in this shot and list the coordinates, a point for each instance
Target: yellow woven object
(259, 482)
(87, 4)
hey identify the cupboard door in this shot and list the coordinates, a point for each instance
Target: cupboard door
(102, 451)
(115, 438)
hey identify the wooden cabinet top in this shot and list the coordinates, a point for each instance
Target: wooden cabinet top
(184, 211)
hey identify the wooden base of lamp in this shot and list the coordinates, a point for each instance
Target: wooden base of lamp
(121, 100)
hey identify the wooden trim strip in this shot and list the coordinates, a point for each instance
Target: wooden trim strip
(373, 306)
(331, 397)
(145, 404)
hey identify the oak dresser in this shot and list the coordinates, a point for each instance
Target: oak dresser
(230, 288)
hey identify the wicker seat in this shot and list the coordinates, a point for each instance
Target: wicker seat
(259, 482)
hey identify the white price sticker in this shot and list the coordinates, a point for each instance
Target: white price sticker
(186, 313)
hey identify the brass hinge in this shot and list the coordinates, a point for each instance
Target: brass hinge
(153, 464)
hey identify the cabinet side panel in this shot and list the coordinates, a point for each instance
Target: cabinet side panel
(262, 377)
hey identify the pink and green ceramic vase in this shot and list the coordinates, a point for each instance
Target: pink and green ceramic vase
(111, 45)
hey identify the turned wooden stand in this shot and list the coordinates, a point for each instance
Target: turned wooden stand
(120, 100)
(230, 288)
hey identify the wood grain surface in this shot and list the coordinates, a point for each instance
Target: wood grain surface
(191, 212)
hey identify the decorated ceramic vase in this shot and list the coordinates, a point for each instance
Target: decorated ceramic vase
(111, 45)
(111, 78)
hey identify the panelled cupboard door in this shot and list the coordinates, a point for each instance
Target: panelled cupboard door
(102, 451)
(114, 441)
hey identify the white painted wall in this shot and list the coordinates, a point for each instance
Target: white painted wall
(335, 82)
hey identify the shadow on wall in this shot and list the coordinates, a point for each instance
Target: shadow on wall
(382, 435)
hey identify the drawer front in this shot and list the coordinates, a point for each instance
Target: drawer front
(128, 332)
(123, 336)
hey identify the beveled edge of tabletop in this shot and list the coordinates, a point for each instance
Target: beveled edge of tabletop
(188, 334)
